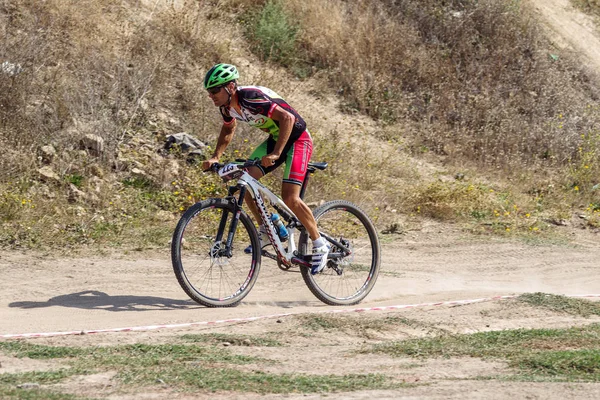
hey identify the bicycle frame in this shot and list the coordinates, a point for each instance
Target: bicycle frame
(257, 190)
(261, 195)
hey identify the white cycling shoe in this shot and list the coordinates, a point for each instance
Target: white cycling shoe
(319, 258)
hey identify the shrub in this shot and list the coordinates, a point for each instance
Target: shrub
(274, 33)
(475, 79)
(589, 6)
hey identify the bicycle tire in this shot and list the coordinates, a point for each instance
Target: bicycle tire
(343, 220)
(205, 274)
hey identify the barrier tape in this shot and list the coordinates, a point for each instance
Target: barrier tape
(250, 319)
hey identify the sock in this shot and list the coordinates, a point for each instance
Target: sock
(319, 242)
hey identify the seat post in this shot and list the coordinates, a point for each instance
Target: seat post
(305, 182)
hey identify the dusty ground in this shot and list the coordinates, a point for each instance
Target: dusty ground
(48, 293)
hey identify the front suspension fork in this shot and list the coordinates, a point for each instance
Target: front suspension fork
(237, 211)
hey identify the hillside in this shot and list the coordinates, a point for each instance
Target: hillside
(494, 129)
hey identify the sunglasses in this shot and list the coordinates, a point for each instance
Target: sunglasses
(215, 90)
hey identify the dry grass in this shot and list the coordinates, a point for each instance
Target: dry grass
(474, 82)
(121, 71)
(99, 67)
(475, 79)
(589, 6)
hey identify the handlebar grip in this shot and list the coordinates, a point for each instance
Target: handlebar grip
(214, 167)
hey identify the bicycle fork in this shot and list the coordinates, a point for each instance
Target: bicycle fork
(237, 211)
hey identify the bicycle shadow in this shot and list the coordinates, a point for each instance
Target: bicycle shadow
(96, 300)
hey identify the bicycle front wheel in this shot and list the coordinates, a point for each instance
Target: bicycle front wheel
(209, 272)
(352, 269)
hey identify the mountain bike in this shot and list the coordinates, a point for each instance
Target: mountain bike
(208, 244)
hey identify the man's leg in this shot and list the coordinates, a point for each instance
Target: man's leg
(296, 169)
(290, 194)
(291, 197)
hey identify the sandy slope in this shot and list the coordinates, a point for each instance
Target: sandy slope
(571, 29)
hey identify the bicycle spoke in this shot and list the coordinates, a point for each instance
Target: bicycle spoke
(207, 271)
(345, 279)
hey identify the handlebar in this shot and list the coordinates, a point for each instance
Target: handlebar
(215, 167)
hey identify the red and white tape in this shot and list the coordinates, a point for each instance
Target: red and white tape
(249, 319)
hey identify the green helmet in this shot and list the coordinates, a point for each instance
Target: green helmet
(220, 74)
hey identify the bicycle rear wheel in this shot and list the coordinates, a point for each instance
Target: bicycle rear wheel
(208, 272)
(346, 280)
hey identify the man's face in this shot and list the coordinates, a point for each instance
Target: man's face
(218, 95)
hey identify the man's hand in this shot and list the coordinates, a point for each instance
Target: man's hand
(207, 163)
(269, 160)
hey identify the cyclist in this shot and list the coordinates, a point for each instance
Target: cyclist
(289, 142)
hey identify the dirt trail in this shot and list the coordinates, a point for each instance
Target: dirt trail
(45, 294)
(569, 28)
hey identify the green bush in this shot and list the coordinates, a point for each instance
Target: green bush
(274, 33)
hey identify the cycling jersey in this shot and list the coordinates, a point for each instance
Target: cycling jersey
(257, 104)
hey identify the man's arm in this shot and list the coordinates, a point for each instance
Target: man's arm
(286, 124)
(227, 131)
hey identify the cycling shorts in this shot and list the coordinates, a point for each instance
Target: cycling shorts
(295, 155)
